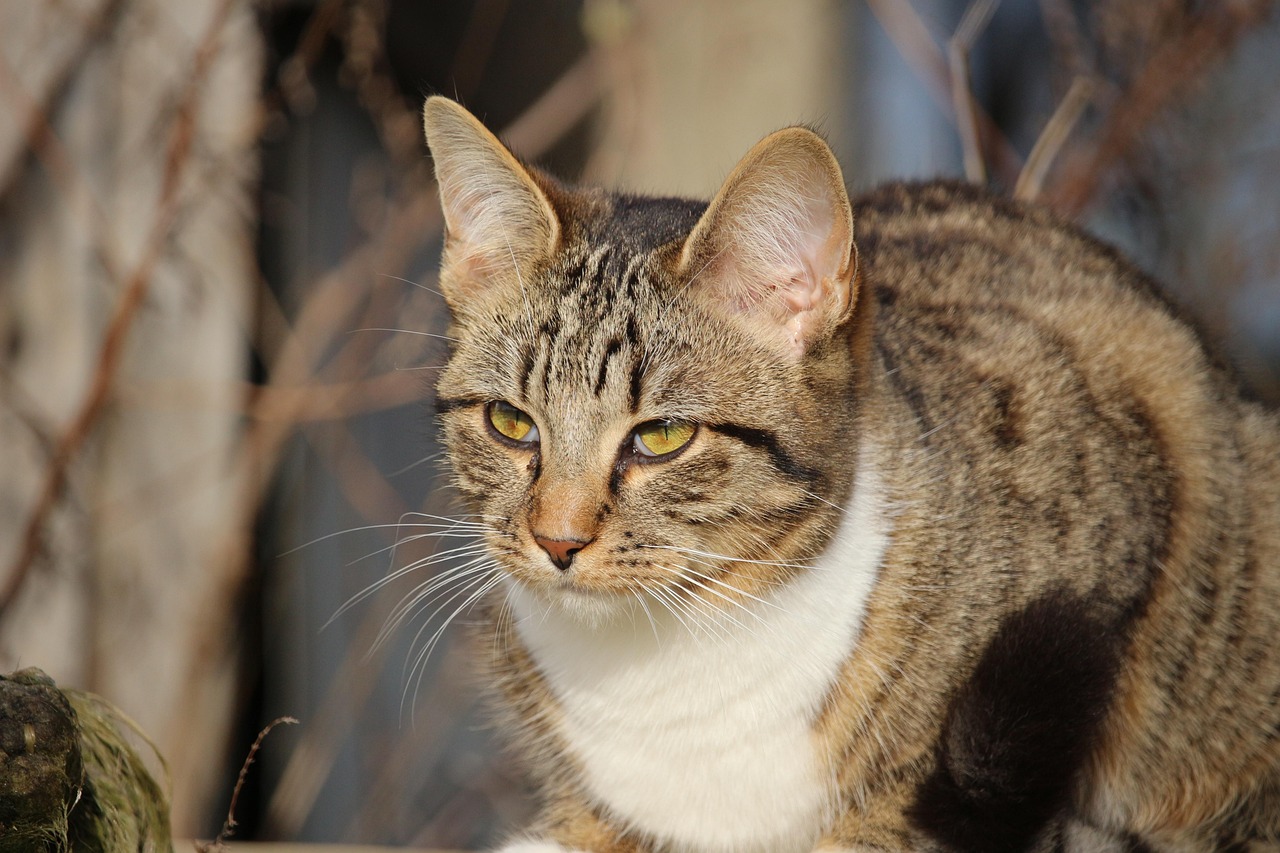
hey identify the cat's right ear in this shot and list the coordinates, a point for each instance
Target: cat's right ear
(497, 218)
(775, 246)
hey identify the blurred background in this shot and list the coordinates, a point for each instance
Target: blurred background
(218, 240)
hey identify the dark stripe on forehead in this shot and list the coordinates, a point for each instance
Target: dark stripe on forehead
(527, 358)
(571, 274)
(444, 405)
(637, 377)
(609, 352)
(763, 439)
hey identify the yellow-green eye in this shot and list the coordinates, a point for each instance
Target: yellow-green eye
(512, 423)
(658, 438)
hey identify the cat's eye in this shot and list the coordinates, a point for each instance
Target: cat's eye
(659, 438)
(511, 423)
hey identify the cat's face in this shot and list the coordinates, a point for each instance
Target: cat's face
(628, 413)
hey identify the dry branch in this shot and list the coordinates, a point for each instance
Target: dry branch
(909, 33)
(134, 289)
(1174, 67)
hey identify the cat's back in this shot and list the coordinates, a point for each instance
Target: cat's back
(947, 251)
(1076, 431)
(978, 293)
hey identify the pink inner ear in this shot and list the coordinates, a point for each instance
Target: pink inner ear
(800, 292)
(775, 245)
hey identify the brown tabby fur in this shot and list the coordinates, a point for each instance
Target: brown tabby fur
(1052, 438)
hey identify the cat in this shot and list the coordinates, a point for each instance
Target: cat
(952, 537)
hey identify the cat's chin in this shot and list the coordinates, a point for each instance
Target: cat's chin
(590, 608)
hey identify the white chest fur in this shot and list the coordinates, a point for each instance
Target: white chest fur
(703, 738)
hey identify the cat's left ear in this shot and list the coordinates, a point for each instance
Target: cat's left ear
(776, 243)
(498, 219)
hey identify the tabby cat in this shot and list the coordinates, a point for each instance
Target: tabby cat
(950, 539)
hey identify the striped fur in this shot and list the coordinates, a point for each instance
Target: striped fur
(1042, 523)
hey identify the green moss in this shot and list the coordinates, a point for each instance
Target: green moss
(71, 780)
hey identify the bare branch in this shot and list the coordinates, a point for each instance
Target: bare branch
(975, 21)
(1052, 138)
(916, 45)
(1177, 64)
(134, 289)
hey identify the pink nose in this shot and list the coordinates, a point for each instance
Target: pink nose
(561, 551)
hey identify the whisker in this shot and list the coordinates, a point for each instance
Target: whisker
(418, 670)
(667, 600)
(821, 499)
(528, 311)
(698, 615)
(715, 556)
(367, 527)
(639, 595)
(738, 590)
(406, 332)
(457, 586)
(727, 573)
(416, 284)
(422, 596)
(700, 585)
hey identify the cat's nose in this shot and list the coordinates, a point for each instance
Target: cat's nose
(561, 551)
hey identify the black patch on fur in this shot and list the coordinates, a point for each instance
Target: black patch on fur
(1134, 844)
(615, 477)
(765, 440)
(527, 359)
(1007, 429)
(1019, 731)
(644, 223)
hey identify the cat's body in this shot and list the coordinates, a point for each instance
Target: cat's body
(956, 541)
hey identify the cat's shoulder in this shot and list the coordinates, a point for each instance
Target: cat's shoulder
(928, 217)
(954, 242)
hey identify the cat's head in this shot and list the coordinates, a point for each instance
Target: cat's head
(647, 396)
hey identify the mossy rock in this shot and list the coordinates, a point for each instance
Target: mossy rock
(70, 779)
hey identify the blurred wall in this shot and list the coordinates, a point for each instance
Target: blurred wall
(126, 161)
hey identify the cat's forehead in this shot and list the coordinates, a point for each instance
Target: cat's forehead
(632, 224)
(603, 307)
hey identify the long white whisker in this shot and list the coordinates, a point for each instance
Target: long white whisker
(715, 556)
(528, 310)
(699, 611)
(425, 594)
(639, 594)
(668, 600)
(380, 583)
(365, 527)
(700, 585)
(419, 666)
(405, 332)
(730, 586)
(821, 499)
(416, 284)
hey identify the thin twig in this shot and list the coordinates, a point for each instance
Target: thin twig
(1176, 65)
(92, 26)
(1068, 42)
(229, 825)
